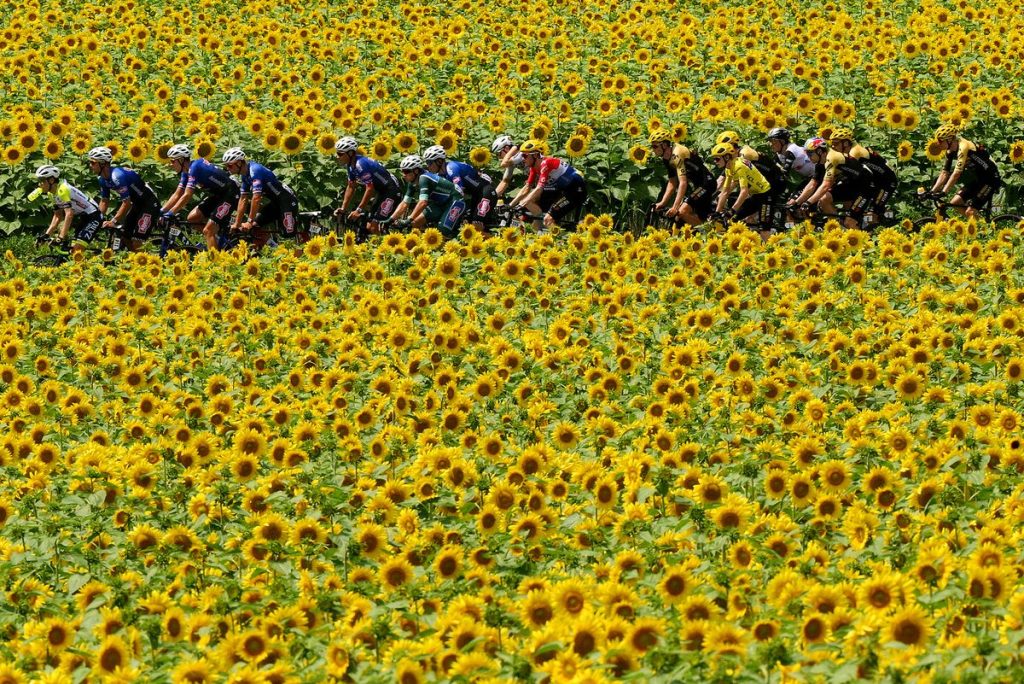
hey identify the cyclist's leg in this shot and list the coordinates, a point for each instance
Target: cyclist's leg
(573, 197)
(484, 205)
(214, 212)
(697, 206)
(451, 217)
(86, 227)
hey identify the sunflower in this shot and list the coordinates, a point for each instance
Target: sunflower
(292, 143)
(405, 142)
(566, 436)
(13, 155)
(576, 146)
(112, 655)
(638, 154)
(479, 157)
(1017, 152)
(325, 143)
(674, 585)
(909, 626)
(448, 140)
(905, 151)
(395, 573)
(52, 148)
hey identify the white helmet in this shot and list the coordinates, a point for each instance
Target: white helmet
(412, 162)
(235, 154)
(179, 152)
(100, 154)
(500, 143)
(47, 171)
(434, 153)
(346, 144)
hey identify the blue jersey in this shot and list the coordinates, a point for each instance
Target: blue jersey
(128, 185)
(261, 181)
(367, 172)
(205, 176)
(466, 178)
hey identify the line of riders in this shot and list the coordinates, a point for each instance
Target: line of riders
(444, 192)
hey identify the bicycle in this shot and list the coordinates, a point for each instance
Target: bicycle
(179, 235)
(60, 251)
(942, 211)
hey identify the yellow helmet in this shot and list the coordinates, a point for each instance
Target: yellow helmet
(946, 132)
(531, 146)
(659, 136)
(729, 137)
(841, 133)
(722, 149)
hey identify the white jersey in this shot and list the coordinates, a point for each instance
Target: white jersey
(67, 195)
(801, 163)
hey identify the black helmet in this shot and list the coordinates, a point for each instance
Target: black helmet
(779, 134)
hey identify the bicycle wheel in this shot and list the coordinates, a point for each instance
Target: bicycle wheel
(1007, 218)
(50, 260)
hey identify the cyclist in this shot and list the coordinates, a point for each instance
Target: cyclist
(553, 187)
(837, 178)
(263, 199)
(752, 201)
(971, 163)
(509, 159)
(381, 190)
(476, 187)
(70, 206)
(883, 178)
(139, 209)
(437, 200)
(768, 166)
(214, 211)
(790, 155)
(690, 188)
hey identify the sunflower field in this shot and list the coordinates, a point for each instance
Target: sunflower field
(584, 458)
(284, 78)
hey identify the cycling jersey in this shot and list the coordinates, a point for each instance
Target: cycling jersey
(367, 172)
(552, 173)
(746, 174)
(882, 176)
(465, 177)
(432, 188)
(972, 160)
(839, 168)
(687, 165)
(68, 196)
(797, 159)
(261, 181)
(128, 185)
(206, 176)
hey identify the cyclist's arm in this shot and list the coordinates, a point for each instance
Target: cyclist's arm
(532, 196)
(172, 201)
(240, 210)
(122, 210)
(420, 207)
(69, 217)
(951, 181)
(506, 180)
(254, 206)
(940, 182)
(368, 194)
(807, 192)
(826, 187)
(54, 221)
(670, 192)
(104, 205)
(723, 193)
(350, 189)
(401, 210)
(506, 161)
(184, 196)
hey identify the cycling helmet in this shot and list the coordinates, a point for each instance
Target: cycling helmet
(722, 149)
(813, 144)
(659, 136)
(841, 133)
(779, 134)
(179, 152)
(729, 137)
(235, 154)
(412, 163)
(346, 144)
(434, 153)
(100, 154)
(530, 147)
(945, 132)
(47, 171)
(500, 143)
